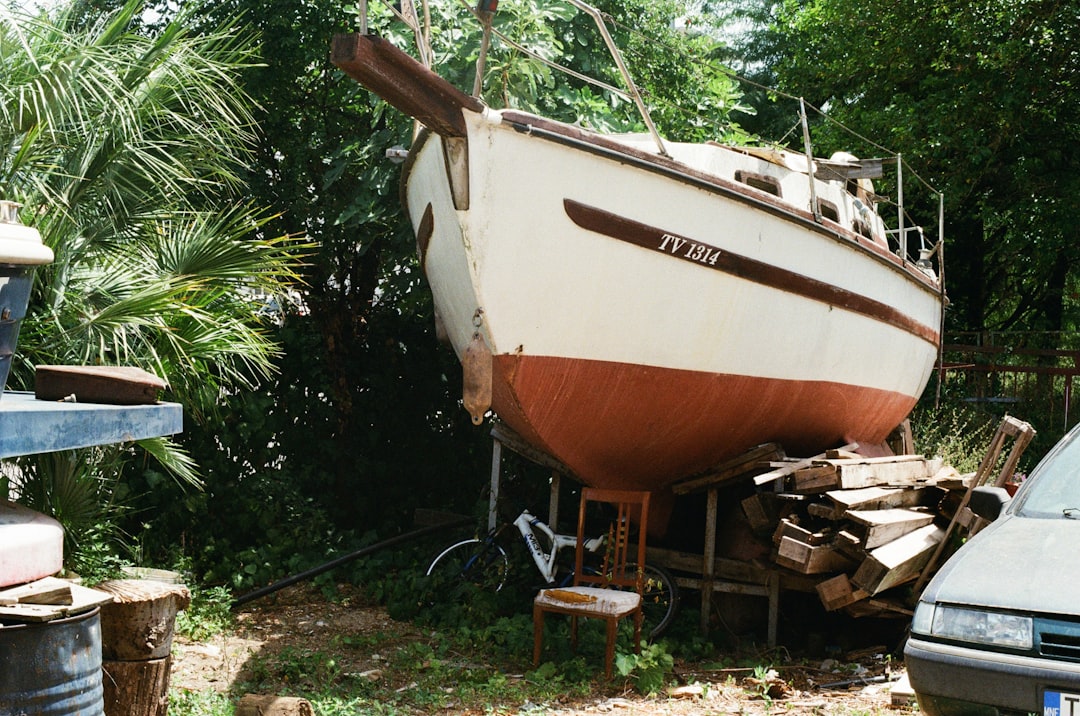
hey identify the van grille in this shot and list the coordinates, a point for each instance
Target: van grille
(1059, 640)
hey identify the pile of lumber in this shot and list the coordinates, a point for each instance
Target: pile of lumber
(864, 525)
(869, 530)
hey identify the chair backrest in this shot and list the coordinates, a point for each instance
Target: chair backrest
(632, 513)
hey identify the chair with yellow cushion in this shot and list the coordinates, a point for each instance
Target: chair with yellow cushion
(612, 593)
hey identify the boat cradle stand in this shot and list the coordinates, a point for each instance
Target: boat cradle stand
(704, 572)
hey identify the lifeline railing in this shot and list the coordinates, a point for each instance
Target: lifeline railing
(485, 12)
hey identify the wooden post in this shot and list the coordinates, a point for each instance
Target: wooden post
(493, 496)
(708, 565)
(553, 500)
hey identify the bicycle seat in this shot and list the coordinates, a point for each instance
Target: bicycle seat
(594, 544)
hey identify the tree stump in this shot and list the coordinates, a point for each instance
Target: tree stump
(258, 705)
(138, 625)
(136, 688)
(136, 638)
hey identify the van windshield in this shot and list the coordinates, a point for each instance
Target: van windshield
(1055, 484)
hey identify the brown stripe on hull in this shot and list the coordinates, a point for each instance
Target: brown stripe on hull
(712, 257)
(641, 427)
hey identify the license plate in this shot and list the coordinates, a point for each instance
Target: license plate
(1060, 703)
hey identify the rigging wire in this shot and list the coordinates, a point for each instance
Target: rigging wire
(624, 94)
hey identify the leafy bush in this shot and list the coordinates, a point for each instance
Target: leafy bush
(648, 670)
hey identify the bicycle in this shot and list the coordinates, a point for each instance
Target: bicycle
(484, 563)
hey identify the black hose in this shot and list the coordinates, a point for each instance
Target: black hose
(315, 571)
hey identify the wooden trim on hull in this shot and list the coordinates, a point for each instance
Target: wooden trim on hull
(707, 256)
(643, 427)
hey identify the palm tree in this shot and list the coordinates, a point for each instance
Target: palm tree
(125, 148)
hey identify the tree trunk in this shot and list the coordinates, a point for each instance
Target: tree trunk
(136, 688)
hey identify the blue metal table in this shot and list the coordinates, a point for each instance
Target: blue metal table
(29, 426)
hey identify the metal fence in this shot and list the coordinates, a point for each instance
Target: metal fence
(1023, 373)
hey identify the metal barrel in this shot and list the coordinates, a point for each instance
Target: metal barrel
(52, 668)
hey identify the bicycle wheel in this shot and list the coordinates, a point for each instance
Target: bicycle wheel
(660, 600)
(475, 561)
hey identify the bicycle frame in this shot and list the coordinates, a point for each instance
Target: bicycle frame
(527, 524)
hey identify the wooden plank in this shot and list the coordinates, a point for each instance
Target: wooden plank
(731, 570)
(899, 561)
(811, 559)
(815, 479)
(1022, 434)
(790, 467)
(761, 512)
(868, 473)
(82, 599)
(878, 608)
(730, 471)
(850, 541)
(884, 460)
(503, 434)
(38, 592)
(403, 82)
(110, 384)
(788, 528)
(878, 498)
(884, 526)
(838, 592)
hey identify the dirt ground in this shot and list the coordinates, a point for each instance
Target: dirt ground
(299, 617)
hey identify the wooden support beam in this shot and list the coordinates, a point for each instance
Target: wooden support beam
(870, 472)
(899, 561)
(838, 592)
(737, 469)
(884, 526)
(761, 512)
(788, 528)
(815, 479)
(786, 469)
(878, 498)
(811, 559)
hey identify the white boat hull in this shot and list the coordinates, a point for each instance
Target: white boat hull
(648, 315)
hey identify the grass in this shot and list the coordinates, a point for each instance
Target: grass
(486, 668)
(456, 657)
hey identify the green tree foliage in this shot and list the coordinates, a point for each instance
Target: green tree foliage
(981, 97)
(127, 149)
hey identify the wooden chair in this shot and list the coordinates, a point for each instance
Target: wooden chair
(604, 594)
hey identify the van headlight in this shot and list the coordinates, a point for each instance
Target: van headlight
(978, 626)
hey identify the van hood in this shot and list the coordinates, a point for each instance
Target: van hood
(1020, 563)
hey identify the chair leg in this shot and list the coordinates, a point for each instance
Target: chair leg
(609, 654)
(538, 634)
(638, 618)
(573, 633)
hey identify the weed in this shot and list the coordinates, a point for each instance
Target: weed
(208, 614)
(649, 669)
(198, 703)
(958, 436)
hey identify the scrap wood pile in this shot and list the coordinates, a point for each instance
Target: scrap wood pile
(863, 528)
